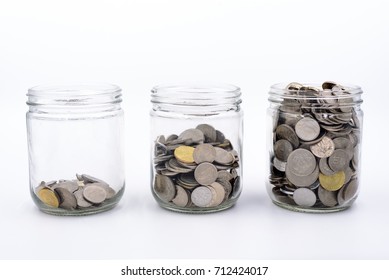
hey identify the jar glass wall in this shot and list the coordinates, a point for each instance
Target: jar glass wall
(314, 144)
(196, 147)
(75, 143)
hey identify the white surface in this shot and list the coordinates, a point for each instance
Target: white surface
(137, 44)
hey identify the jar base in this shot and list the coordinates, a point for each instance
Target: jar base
(105, 206)
(197, 210)
(317, 210)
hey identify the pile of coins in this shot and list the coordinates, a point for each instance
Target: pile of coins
(197, 169)
(316, 140)
(82, 193)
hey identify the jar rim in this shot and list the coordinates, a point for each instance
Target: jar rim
(346, 91)
(74, 95)
(196, 94)
(73, 89)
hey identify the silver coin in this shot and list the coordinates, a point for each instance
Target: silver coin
(171, 138)
(279, 165)
(220, 137)
(208, 131)
(164, 187)
(340, 197)
(220, 194)
(204, 153)
(324, 148)
(350, 190)
(223, 156)
(301, 162)
(203, 196)
(90, 179)
(328, 198)
(81, 201)
(94, 193)
(307, 129)
(328, 85)
(324, 168)
(227, 187)
(302, 181)
(182, 197)
(205, 173)
(304, 197)
(67, 199)
(71, 186)
(224, 175)
(282, 149)
(191, 136)
(110, 192)
(236, 187)
(339, 160)
(284, 131)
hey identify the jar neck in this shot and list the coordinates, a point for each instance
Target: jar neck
(196, 99)
(74, 99)
(314, 96)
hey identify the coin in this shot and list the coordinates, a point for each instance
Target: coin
(328, 198)
(204, 153)
(284, 131)
(301, 162)
(220, 194)
(339, 160)
(110, 192)
(324, 168)
(205, 173)
(224, 175)
(203, 196)
(324, 148)
(208, 131)
(81, 201)
(164, 187)
(191, 136)
(67, 199)
(71, 186)
(280, 165)
(334, 182)
(302, 181)
(184, 154)
(282, 149)
(94, 193)
(223, 157)
(49, 197)
(304, 197)
(220, 136)
(227, 187)
(350, 190)
(181, 199)
(307, 129)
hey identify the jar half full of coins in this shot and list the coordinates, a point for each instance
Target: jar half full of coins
(196, 147)
(314, 143)
(75, 144)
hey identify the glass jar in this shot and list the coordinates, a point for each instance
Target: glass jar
(75, 144)
(314, 144)
(196, 147)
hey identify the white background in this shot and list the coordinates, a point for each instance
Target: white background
(137, 44)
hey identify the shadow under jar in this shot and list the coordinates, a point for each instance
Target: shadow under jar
(75, 143)
(196, 147)
(314, 143)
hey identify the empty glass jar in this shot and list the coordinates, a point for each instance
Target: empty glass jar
(314, 143)
(75, 143)
(196, 147)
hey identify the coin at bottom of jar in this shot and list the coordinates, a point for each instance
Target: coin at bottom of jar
(182, 197)
(328, 198)
(164, 187)
(49, 197)
(203, 196)
(94, 193)
(220, 194)
(304, 197)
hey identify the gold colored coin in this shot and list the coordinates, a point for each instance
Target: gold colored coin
(48, 197)
(333, 182)
(184, 154)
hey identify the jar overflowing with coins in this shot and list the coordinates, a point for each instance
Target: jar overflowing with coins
(75, 143)
(196, 147)
(314, 146)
